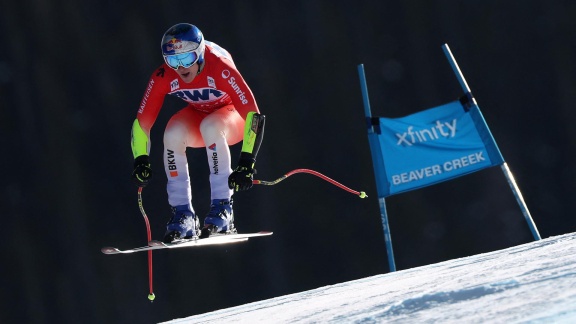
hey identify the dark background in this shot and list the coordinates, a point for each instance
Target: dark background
(72, 74)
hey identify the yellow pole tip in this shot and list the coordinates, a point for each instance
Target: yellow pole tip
(151, 297)
(363, 194)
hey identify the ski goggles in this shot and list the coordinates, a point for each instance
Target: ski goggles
(184, 59)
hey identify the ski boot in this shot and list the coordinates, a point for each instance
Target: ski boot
(220, 219)
(183, 225)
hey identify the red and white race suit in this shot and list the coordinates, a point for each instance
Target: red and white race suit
(218, 100)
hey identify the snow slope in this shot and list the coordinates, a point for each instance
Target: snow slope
(534, 282)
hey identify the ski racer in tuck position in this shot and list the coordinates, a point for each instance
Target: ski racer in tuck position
(220, 111)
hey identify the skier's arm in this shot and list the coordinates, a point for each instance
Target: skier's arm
(148, 111)
(140, 145)
(242, 97)
(242, 177)
(253, 135)
(140, 148)
(140, 142)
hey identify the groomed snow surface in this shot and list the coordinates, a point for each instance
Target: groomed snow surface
(533, 282)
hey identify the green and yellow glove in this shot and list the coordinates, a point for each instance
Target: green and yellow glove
(243, 176)
(142, 173)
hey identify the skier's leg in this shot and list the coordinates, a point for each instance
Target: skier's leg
(219, 130)
(181, 131)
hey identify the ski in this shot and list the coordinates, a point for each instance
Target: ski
(214, 239)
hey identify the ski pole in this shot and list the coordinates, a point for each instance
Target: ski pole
(151, 295)
(361, 194)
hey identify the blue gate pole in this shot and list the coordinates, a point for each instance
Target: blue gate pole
(381, 201)
(520, 200)
(387, 236)
(504, 166)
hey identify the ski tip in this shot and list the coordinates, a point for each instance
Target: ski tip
(109, 250)
(156, 243)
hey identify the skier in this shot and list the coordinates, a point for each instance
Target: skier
(220, 111)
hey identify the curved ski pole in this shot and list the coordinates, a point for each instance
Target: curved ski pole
(151, 295)
(360, 194)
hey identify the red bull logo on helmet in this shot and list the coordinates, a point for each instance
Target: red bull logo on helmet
(178, 46)
(173, 44)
